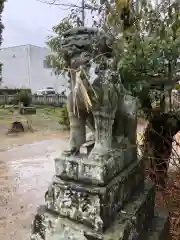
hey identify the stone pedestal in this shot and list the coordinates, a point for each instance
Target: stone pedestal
(98, 201)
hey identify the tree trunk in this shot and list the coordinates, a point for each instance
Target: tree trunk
(157, 145)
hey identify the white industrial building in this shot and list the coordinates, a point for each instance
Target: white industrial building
(25, 67)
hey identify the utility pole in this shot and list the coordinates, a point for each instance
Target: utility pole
(83, 12)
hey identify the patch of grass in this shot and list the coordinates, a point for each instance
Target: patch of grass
(45, 117)
(49, 113)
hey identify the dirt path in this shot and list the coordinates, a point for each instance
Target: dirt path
(25, 173)
(8, 142)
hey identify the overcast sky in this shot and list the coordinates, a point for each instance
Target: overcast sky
(29, 21)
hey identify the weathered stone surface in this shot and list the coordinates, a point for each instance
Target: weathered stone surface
(99, 169)
(131, 223)
(107, 111)
(159, 228)
(135, 217)
(53, 227)
(92, 205)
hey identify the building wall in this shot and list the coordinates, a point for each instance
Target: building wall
(23, 67)
(15, 67)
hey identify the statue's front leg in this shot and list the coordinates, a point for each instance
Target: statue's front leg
(77, 127)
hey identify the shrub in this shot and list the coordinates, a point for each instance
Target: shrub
(64, 117)
(25, 97)
(15, 100)
(13, 91)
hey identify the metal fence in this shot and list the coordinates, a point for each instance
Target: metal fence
(51, 100)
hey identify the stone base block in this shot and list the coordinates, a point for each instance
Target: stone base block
(135, 217)
(97, 168)
(159, 230)
(132, 222)
(94, 206)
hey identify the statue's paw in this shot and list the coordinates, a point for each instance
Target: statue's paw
(72, 152)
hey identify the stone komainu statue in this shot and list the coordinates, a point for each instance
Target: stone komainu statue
(102, 194)
(101, 104)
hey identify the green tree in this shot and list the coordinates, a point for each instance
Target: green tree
(55, 60)
(148, 48)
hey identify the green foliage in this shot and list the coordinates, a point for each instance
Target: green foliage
(12, 91)
(152, 47)
(64, 117)
(25, 97)
(148, 49)
(55, 60)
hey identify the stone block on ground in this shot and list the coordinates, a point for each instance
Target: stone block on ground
(27, 110)
(16, 127)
